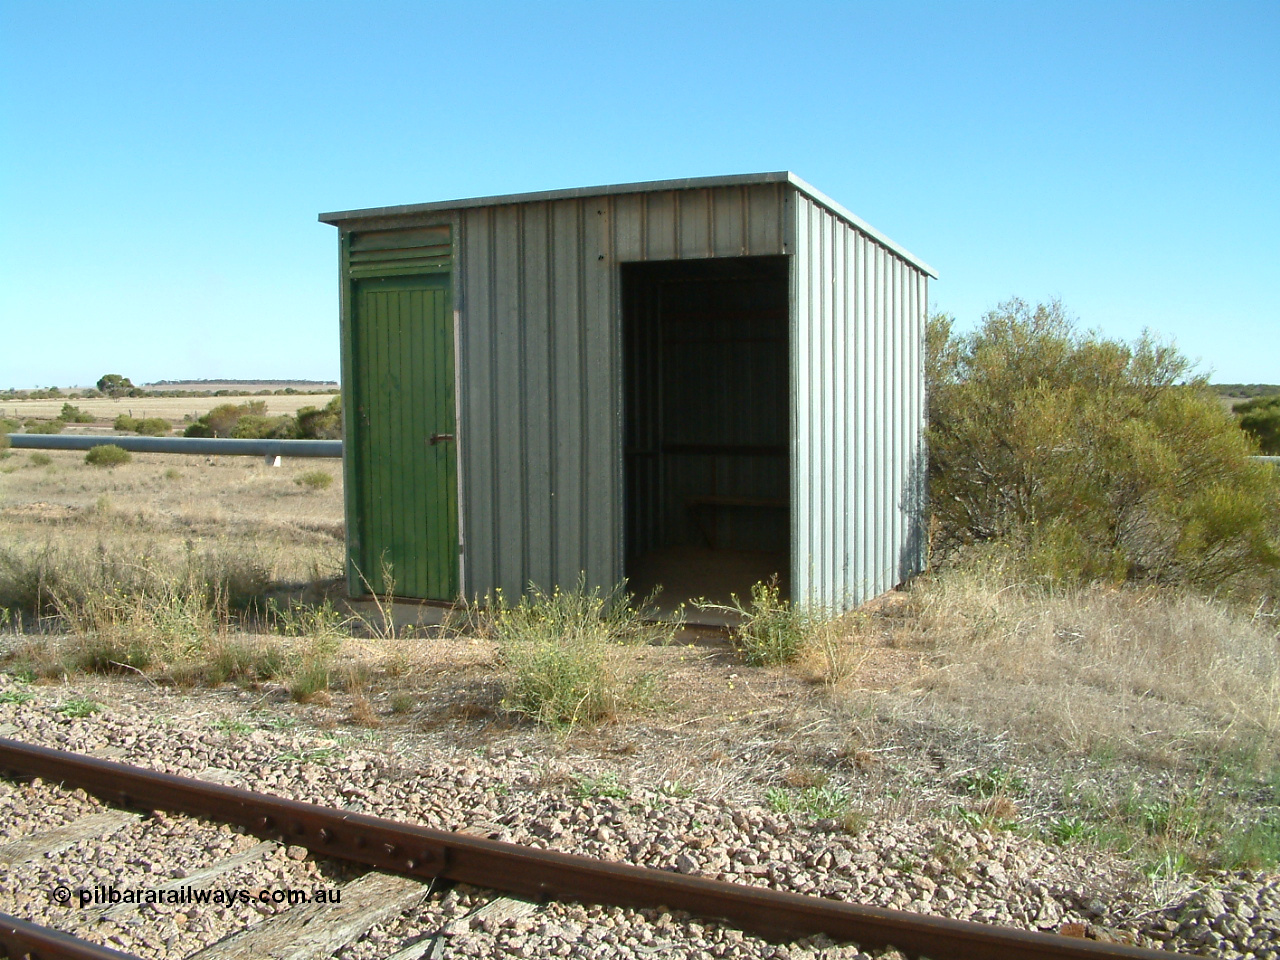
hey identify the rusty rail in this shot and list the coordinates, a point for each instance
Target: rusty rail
(542, 874)
(20, 939)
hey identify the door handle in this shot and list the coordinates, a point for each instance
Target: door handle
(440, 438)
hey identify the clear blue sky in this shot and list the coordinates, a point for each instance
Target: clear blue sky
(162, 164)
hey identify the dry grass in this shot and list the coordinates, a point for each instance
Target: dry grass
(836, 650)
(1152, 674)
(170, 408)
(1146, 721)
(170, 507)
(153, 569)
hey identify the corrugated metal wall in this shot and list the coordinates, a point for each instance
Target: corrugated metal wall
(537, 288)
(858, 455)
(540, 357)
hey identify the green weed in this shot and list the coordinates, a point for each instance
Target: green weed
(995, 782)
(1254, 846)
(79, 708)
(276, 721)
(559, 654)
(605, 785)
(318, 755)
(772, 631)
(1067, 829)
(824, 802)
(674, 789)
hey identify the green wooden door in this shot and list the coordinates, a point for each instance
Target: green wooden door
(406, 495)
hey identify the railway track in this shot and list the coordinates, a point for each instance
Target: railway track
(405, 859)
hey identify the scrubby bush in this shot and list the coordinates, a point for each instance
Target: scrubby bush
(254, 427)
(39, 459)
(223, 419)
(44, 426)
(250, 421)
(1261, 418)
(314, 423)
(153, 427)
(315, 479)
(147, 426)
(9, 426)
(107, 455)
(1099, 459)
(73, 414)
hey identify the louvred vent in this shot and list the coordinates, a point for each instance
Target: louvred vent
(389, 253)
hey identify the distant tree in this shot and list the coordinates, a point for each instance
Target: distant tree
(114, 385)
(1094, 458)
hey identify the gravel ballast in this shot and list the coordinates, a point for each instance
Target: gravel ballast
(932, 866)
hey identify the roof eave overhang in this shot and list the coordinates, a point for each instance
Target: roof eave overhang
(344, 219)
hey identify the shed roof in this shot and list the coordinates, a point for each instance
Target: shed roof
(693, 183)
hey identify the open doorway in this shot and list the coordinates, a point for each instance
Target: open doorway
(707, 424)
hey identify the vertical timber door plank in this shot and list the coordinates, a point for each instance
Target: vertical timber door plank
(446, 454)
(404, 340)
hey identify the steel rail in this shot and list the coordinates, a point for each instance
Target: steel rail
(546, 875)
(20, 939)
(206, 446)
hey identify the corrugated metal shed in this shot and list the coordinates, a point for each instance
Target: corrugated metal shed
(731, 363)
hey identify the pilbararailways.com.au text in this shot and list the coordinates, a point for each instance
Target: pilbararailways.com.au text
(104, 895)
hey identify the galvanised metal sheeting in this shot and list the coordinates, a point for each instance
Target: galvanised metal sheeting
(858, 454)
(540, 352)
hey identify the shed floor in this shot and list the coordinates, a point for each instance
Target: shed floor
(689, 573)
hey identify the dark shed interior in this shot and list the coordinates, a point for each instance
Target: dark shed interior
(707, 408)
